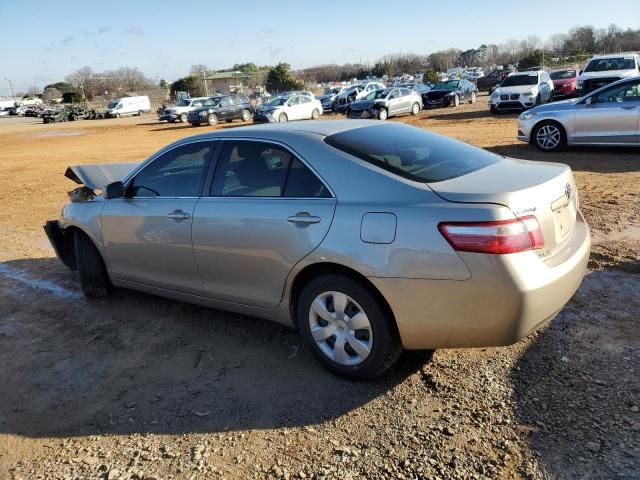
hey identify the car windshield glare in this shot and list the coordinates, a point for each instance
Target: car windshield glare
(562, 74)
(411, 152)
(277, 102)
(446, 85)
(183, 103)
(519, 80)
(606, 64)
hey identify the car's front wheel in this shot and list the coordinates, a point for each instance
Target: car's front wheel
(283, 118)
(347, 328)
(315, 114)
(212, 119)
(472, 100)
(455, 101)
(549, 137)
(183, 118)
(383, 114)
(93, 274)
(415, 108)
(246, 115)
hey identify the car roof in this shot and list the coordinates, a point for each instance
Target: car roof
(323, 128)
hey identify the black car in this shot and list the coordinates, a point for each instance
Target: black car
(449, 93)
(489, 81)
(221, 107)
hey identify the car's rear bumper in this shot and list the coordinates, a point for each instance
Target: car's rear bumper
(507, 297)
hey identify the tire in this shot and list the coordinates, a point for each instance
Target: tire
(246, 115)
(472, 100)
(183, 118)
(383, 114)
(378, 343)
(283, 118)
(548, 136)
(93, 274)
(315, 114)
(140, 112)
(117, 115)
(212, 119)
(493, 109)
(415, 108)
(456, 101)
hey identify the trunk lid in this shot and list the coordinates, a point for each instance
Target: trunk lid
(545, 190)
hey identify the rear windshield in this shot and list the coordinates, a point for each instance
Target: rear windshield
(411, 152)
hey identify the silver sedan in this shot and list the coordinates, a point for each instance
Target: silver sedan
(608, 116)
(367, 237)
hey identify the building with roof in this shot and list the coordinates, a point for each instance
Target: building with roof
(227, 82)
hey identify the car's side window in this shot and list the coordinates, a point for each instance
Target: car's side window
(176, 173)
(304, 99)
(303, 183)
(629, 92)
(225, 102)
(251, 169)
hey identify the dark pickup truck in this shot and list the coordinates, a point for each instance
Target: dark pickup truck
(221, 107)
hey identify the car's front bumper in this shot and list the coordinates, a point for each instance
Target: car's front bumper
(512, 104)
(507, 297)
(61, 245)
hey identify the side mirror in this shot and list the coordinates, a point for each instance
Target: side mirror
(114, 190)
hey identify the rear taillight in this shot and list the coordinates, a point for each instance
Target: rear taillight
(499, 237)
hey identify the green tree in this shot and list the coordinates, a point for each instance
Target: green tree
(163, 84)
(534, 59)
(279, 79)
(190, 84)
(430, 76)
(248, 68)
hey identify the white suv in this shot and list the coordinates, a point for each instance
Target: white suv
(522, 90)
(604, 69)
(180, 111)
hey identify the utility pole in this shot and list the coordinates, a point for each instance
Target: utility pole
(11, 89)
(204, 80)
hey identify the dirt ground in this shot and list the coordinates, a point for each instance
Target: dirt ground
(138, 387)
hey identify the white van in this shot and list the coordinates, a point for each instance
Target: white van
(128, 106)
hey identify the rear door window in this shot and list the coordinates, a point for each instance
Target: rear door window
(411, 152)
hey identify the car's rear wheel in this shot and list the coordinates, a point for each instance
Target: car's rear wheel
(347, 328)
(283, 118)
(93, 274)
(140, 112)
(415, 108)
(183, 118)
(246, 115)
(212, 119)
(549, 137)
(472, 100)
(383, 114)
(315, 114)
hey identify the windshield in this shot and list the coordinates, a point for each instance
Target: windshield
(113, 105)
(183, 103)
(411, 152)
(450, 85)
(376, 94)
(606, 64)
(519, 80)
(562, 74)
(277, 102)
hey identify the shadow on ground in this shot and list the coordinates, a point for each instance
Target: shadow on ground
(577, 384)
(138, 363)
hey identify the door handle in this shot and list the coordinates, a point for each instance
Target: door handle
(178, 215)
(303, 217)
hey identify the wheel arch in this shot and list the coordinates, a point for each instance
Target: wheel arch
(547, 120)
(314, 270)
(69, 234)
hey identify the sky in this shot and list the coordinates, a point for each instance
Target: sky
(43, 41)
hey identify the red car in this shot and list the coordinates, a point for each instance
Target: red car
(564, 82)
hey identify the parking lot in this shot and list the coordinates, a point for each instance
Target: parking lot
(136, 386)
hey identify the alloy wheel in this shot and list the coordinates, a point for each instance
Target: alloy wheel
(340, 328)
(548, 137)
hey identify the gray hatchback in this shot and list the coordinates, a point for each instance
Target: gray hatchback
(367, 237)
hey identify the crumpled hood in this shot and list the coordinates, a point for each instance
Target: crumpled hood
(97, 177)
